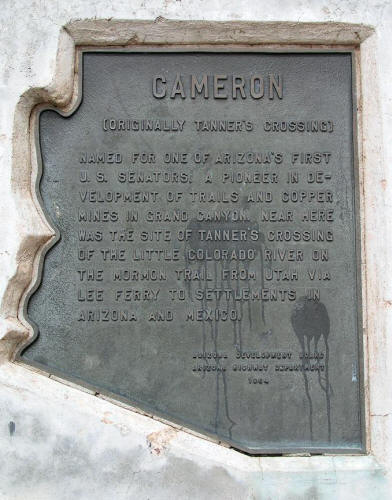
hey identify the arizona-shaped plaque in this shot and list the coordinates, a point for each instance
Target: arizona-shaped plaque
(205, 265)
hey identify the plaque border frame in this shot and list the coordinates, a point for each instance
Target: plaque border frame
(357, 240)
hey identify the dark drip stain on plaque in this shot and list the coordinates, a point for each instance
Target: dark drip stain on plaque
(206, 264)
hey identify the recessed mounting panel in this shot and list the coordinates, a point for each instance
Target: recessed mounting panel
(205, 268)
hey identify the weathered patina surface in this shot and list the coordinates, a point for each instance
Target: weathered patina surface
(206, 262)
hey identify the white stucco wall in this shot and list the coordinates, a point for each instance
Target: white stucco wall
(59, 442)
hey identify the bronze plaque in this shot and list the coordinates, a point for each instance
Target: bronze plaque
(206, 262)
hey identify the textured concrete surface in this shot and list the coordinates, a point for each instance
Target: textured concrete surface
(60, 442)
